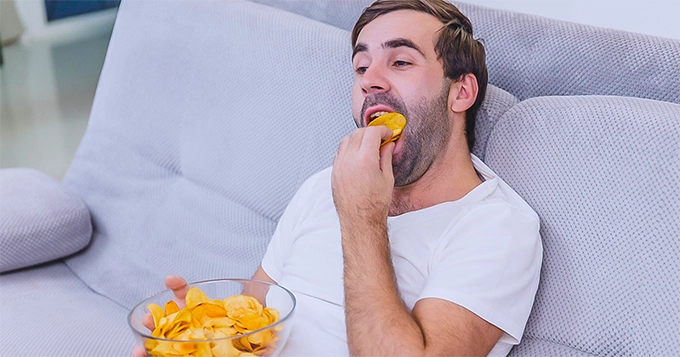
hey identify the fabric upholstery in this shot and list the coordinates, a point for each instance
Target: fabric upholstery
(40, 220)
(47, 311)
(342, 14)
(532, 56)
(495, 104)
(602, 173)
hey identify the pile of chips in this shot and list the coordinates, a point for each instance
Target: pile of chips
(204, 318)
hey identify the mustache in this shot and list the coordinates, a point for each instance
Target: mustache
(385, 99)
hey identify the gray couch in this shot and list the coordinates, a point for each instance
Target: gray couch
(209, 115)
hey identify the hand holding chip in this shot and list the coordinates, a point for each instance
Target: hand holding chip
(362, 179)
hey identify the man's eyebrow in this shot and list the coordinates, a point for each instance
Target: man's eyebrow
(360, 47)
(395, 43)
(402, 42)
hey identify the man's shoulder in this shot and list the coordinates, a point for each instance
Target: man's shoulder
(500, 195)
(315, 186)
(323, 175)
(501, 210)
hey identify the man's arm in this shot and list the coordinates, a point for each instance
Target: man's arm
(378, 322)
(262, 276)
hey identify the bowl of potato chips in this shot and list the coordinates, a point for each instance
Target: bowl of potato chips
(218, 318)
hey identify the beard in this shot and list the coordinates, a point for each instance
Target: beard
(426, 134)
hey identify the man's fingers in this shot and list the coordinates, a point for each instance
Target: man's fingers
(342, 148)
(355, 139)
(147, 321)
(178, 286)
(386, 132)
(386, 159)
(374, 136)
(138, 351)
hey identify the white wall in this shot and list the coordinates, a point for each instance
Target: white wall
(652, 17)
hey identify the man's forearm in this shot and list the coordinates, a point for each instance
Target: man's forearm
(378, 322)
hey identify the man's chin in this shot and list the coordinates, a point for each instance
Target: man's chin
(403, 176)
(406, 170)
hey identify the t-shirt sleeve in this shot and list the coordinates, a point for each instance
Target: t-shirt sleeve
(489, 262)
(274, 259)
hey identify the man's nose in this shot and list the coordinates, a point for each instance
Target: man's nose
(374, 80)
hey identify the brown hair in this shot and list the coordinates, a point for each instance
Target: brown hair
(459, 51)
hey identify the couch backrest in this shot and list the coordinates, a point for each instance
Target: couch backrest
(531, 56)
(604, 175)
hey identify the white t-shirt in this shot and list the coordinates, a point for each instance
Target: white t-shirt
(482, 252)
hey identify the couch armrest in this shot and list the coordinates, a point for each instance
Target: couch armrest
(40, 220)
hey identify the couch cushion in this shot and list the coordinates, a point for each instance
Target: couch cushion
(602, 173)
(495, 104)
(40, 220)
(342, 14)
(47, 311)
(532, 56)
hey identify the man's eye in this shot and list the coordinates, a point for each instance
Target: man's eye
(401, 64)
(361, 70)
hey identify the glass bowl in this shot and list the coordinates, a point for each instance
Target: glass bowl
(264, 341)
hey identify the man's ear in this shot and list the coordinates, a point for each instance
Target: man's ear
(463, 93)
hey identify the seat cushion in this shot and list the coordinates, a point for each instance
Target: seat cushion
(40, 220)
(602, 173)
(47, 311)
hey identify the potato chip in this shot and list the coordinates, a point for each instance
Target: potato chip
(171, 307)
(395, 121)
(195, 296)
(204, 318)
(224, 348)
(156, 312)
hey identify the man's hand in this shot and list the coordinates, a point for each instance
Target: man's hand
(362, 180)
(179, 288)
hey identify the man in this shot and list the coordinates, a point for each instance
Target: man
(414, 247)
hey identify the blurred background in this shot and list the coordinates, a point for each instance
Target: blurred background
(53, 50)
(52, 54)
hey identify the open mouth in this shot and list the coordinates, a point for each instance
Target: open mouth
(375, 115)
(376, 111)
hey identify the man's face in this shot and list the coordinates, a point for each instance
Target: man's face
(396, 69)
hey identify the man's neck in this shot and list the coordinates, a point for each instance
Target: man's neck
(450, 178)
